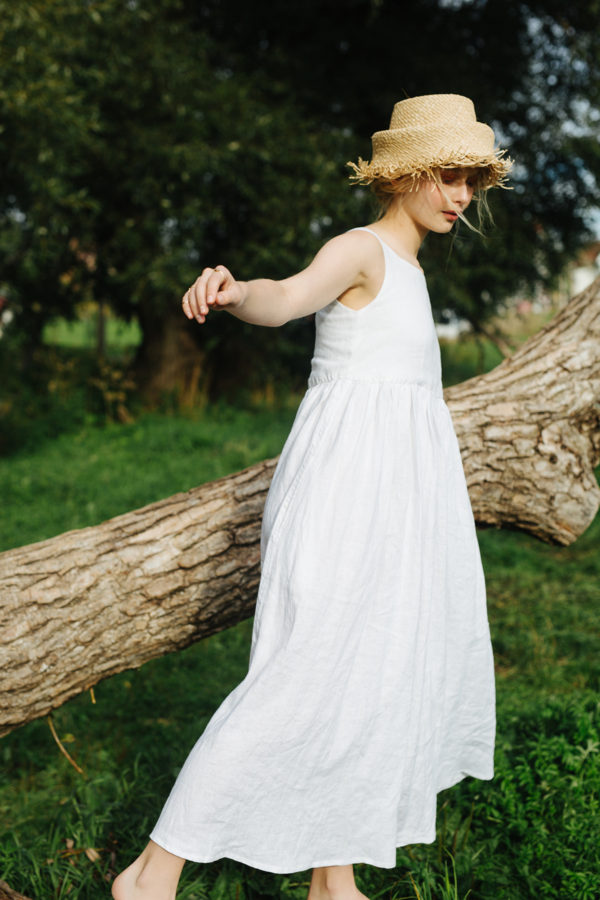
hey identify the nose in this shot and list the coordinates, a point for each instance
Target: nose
(462, 193)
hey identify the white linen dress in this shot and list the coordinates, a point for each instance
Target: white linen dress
(371, 685)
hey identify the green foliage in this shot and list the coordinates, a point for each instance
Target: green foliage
(467, 355)
(131, 155)
(51, 390)
(140, 141)
(544, 808)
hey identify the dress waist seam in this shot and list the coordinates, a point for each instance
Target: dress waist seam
(375, 379)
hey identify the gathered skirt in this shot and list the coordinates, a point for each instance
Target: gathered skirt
(370, 686)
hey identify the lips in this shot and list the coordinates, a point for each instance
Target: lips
(449, 214)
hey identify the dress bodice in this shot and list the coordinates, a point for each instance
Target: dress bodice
(393, 338)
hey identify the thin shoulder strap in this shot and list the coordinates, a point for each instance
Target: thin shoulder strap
(388, 252)
(386, 258)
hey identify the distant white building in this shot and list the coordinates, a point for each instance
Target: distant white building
(578, 276)
(6, 315)
(585, 268)
(452, 327)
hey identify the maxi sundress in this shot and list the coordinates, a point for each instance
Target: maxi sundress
(370, 686)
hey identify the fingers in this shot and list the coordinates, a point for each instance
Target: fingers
(208, 290)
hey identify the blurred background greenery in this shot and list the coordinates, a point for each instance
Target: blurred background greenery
(142, 140)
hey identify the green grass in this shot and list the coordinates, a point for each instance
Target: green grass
(90, 475)
(467, 356)
(532, 832)
(83, 332)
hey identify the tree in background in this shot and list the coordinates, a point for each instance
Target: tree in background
(125, 143)
(141, 141)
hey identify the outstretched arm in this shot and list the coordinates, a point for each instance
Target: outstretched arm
(342, 263)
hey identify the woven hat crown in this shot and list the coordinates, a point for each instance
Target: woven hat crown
(432, 109)
(430, 132)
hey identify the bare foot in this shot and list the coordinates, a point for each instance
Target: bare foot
(353, 894)
(124, 887)
(152, 876)
(131, 884)
(334, 883)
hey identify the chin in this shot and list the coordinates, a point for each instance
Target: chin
(442, 228)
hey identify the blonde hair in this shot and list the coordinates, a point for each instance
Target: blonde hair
(387, 189)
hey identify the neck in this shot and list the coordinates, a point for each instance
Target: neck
(410, 234)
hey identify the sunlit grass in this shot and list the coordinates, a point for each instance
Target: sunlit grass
(83, 332)
(92, 474)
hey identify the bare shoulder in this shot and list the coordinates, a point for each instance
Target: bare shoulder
(348, 262)
(358, 250)
(357, 243)
(368, 261)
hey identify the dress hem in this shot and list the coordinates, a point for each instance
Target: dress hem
(278, 869)
(288, 870)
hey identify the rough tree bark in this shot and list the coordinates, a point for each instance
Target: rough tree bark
(7, 893)
(90, 603)
(529, 430)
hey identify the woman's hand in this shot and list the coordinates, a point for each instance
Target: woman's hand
(214, 289)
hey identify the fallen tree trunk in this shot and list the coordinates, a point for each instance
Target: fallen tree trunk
(93, 602)
(529, 430)
(7, 893)
(90, 603)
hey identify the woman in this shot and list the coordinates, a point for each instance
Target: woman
(370, 686)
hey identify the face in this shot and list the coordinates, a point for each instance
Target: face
(435, 208)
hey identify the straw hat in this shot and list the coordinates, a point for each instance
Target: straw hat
(436, 131)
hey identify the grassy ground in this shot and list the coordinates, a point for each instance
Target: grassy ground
(83, 332)
(530, 833)
(86, 476)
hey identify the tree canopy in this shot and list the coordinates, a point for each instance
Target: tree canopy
(141, 141)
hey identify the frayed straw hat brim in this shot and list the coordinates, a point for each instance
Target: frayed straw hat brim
(436, 131)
